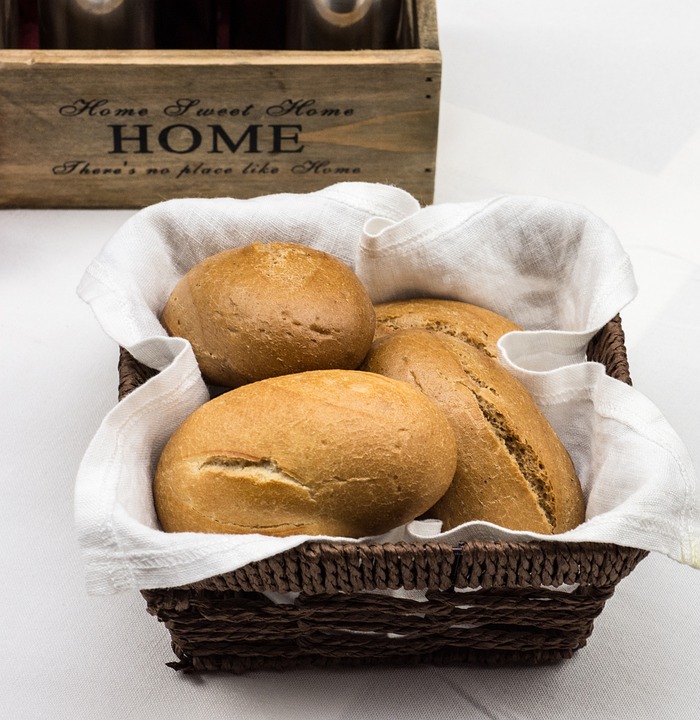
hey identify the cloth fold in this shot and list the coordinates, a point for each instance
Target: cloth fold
(553, 268)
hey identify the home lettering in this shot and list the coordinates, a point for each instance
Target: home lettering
(182, 139)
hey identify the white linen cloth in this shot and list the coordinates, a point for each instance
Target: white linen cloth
(553, 268)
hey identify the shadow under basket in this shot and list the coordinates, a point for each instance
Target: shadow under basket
(482, 603)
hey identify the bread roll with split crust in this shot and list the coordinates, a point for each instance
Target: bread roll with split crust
(512, 469)
(270, 309)
(328, 452)
(471, 324)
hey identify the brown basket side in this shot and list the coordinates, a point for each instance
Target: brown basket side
(132, 373)
(608, 347)
(484, 603)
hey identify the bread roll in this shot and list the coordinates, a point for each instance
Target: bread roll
(265, 310)
(328, 452)
(471, 324)
(512, 469)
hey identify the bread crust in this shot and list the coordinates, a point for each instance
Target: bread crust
(512, 469)
(327, 452)
(473, 325)
(269, 309)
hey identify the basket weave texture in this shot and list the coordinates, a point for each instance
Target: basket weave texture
(482, 603)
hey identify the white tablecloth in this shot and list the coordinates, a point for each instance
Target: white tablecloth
(593, 103)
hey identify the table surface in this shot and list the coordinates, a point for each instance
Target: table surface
(594, 103)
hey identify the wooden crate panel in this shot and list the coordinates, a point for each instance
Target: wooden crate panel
(127, 129)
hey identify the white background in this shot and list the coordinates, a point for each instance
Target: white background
(591, 102)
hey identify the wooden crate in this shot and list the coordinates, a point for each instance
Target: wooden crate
(126, 129)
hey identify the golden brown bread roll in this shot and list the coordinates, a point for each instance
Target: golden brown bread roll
(265, 310)
(471, 324)
(328, 452)
(512, 469)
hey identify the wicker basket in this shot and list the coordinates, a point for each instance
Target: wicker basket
(484, 603)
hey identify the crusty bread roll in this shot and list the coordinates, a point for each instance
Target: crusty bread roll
(327, 452)
(512, 469)
(469, 323)
(265, 310)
